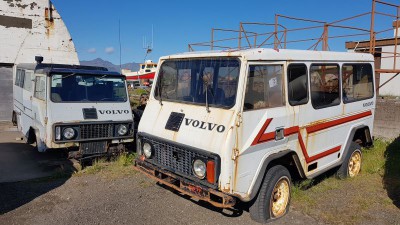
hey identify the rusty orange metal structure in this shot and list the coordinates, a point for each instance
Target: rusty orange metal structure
(278, 36)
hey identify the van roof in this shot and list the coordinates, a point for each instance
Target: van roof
(63, 68)
(256, 54)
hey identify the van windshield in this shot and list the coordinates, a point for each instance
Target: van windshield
(196, 81)
(87, 88)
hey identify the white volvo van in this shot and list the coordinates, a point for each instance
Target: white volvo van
(65, 106)
(224, 126)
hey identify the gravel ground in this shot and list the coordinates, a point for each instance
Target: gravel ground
(93, 199)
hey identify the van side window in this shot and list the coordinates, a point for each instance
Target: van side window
(297, 84)
(19, 79)
(264, 87)
(324, 80)
(28, 81)
(40, 88)
(357, 82)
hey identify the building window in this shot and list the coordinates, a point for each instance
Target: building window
(357, 82)
(297, 84)
(264, 87)
(40, 87)
(324, 80)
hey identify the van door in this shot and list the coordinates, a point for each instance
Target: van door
(265, 116)
(39, 104)
(26, 115)
(318, 119)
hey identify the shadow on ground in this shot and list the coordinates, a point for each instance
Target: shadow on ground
(28, 174)
(391, 178)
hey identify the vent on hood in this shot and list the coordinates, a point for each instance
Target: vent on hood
(89, 113)
(174, 121)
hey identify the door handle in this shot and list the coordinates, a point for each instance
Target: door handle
(279, 133)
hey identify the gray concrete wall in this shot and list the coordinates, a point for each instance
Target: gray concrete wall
(387, 118)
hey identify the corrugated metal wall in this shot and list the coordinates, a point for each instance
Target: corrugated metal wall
(6, 93)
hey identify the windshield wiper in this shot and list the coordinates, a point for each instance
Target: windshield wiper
(206, 82)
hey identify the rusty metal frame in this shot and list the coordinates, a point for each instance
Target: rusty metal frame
(279, 33)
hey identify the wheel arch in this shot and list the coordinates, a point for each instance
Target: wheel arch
(287, 158)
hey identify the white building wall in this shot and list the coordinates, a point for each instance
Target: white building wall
(391, 88)
(48, 38)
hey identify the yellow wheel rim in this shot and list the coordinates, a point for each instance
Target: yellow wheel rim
(280, 197)
(355, 164)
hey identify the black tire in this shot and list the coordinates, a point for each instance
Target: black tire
(261, 209)
(349, 169)
(14, 119)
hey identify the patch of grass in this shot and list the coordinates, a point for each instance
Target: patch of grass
(374, 158)
(376, 188)
(134, 96)
(115, 168)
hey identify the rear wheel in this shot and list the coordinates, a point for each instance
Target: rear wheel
(273, 199)
(351, 166)
(14, 119)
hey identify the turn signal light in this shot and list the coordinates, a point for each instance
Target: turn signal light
(211, 172)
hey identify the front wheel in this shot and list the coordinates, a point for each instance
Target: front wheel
(273, 199)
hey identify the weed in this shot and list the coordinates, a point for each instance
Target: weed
(118, 167)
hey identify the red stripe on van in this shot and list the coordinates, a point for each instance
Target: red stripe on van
(323, 154)
(263, 137)
(326, 125)
(261, 132)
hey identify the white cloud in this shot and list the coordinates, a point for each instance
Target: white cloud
(110, 50)
(91, 50)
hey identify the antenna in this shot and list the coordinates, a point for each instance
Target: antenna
(148, 46)
(120, 45)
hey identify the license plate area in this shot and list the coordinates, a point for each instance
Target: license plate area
(91, 148)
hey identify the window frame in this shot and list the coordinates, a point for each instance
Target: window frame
(373, 82)
(29, 81)
(283, 80)
(155, 94)
(45, 88)
(339, 83)
(307, 85)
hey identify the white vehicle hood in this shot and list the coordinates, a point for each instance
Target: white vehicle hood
(200, 129)
(73, 112)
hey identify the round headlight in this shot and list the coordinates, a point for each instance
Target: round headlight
(69, 133)
(122, 130)
(199, 168)
(147, 150)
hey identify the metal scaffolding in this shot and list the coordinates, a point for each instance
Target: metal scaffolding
(278, 35)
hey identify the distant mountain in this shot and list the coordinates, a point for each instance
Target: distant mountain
(110, 66)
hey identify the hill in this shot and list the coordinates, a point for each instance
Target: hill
(110, 66)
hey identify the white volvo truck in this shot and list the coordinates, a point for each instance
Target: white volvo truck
(67, 106)
(224, 126)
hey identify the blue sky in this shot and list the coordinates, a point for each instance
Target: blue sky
(93, 24)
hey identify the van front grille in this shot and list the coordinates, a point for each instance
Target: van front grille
(92, 131)
(173, 158)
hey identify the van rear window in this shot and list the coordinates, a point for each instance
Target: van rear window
(357, 82)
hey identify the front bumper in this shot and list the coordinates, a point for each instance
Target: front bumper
(187, 187)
